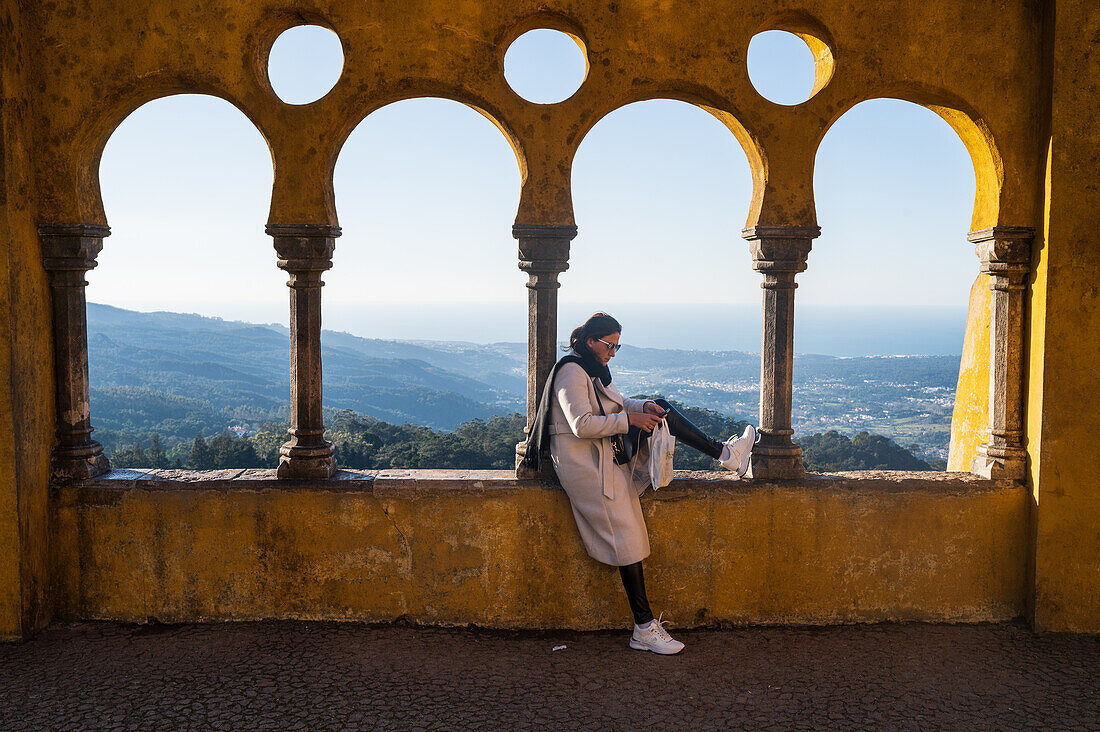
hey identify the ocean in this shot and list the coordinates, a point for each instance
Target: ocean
(833, 330)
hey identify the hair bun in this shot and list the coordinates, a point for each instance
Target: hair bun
(598, 325)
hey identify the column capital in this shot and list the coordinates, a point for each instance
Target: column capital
(544, 248)
(71, 247)
(766, 231)
(544, 231)
(777, 249)
(308, 231)
(1003, 244)
(304, 247)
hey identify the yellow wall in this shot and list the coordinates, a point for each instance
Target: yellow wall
(452, 548)
(1065, 352)
(26, 404)
(970, 420)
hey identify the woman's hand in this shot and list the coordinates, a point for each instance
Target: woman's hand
(644, 421)
(653, 408)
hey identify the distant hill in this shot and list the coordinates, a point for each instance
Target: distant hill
(831, 451)
(188, 374)
(181, 375)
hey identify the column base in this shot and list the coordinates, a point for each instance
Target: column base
(775, 457)
(301, 462)
(78, 462)
(998, 462)
(545, 472)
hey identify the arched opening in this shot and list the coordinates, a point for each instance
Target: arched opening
(424, 353)
(788, 68)
(180, 371)
(545, 66)
(661, 190)
(304, 63)
(883, 304)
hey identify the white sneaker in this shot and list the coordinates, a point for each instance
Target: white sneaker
(655, 638)
(740, 451)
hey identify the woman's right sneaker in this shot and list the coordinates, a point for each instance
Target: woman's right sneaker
(655, 638)
(740, 451)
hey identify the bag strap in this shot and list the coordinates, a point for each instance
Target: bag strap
(598, 401)
(634, 434)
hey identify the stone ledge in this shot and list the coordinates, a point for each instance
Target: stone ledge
(413, 483)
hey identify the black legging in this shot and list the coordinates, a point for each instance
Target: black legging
(684, 431)
(634, 584)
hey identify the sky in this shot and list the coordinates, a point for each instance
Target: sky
(427, 192)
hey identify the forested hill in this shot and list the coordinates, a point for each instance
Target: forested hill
(180, 375)
(185, 375)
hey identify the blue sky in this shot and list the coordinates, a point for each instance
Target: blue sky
(427, 193)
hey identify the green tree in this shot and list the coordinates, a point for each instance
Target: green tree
(201, 458)
(229, 451)
(157, 457)
(832, 451)
(130, 457)
(266, 443)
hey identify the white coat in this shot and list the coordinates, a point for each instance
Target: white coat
(604, 496)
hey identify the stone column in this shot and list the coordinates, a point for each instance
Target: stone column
(779, 253)
(305, 252)
(1005, 254)
(543, 255)
(68, 252)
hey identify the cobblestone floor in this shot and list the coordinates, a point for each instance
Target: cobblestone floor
(296, 675)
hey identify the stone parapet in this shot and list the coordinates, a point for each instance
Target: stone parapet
(460, 547)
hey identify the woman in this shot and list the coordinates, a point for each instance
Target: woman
(579, 411)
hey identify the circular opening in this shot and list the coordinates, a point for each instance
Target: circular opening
(781, 67)
(545, 66)
(305, 63)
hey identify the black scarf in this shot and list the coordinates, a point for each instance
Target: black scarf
(538, 441)
(593, 368)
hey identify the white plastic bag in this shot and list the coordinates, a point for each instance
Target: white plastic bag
(661, 446)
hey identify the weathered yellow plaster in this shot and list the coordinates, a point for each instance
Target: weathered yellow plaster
(26, 406)
(970, 420)
(636, 51)
(456, 548)
(1067, 541)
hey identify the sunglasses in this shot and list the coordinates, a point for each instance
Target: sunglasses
(613, 347)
